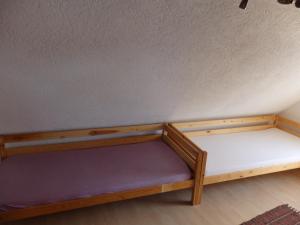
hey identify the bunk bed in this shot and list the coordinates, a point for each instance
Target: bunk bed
(244, 147)
(39, 176)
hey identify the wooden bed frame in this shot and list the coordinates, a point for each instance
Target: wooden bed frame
(234, 125)
(190, 153)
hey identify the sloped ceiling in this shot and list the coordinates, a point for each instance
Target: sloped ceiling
(89, 63)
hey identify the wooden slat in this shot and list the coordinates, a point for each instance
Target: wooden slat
(193, 153)
(177, 186)
(222, 122)
(227, 130)
(250, 173)
(288, 130)
(195, 147)
(287, 122)
(79, 133)
(190, 161)
(80, 145)
(91, 201)
(199, 178)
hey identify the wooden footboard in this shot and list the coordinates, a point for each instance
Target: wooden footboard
(58, 136)
(191, 154)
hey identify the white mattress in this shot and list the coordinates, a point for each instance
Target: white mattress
(248, 150)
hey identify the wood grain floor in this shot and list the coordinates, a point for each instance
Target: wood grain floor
(223, 204)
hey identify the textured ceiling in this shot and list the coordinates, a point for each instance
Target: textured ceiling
(88, 63)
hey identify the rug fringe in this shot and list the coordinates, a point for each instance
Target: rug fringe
(272, 215)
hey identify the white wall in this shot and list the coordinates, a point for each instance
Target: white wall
(293, 112)
(88, 63)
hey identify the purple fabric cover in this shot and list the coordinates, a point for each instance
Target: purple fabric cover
(34, 179)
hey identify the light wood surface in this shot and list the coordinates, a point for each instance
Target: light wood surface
(288, 130)
(189, 161)
(288, 122)
(224, 126)
(91, 201)
(229, 203)
(43, 136)
(250, 173)
(222, 122)
(80, 145)
(183, 140)
(199, 178)
(79, 133)
(289, 126)
(192, 154)
(227, 130)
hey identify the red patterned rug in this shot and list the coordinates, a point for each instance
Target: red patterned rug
(281, 215)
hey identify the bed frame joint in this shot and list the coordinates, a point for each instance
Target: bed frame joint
(275, 122)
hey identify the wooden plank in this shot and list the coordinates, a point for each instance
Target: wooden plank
(79, 133)
(288, 122)
(80, 145)
(199, 178)
(288, 130)
(177, 186)
(250, 173)
(181, 139)
(190, 161)
(182, 143)
(195, 147)
(222, 122)
(227, 130)
(91, 201)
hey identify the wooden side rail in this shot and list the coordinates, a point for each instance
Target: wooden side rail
(230, 121)
(288, 125)
(91, 201)
(224, 126)
(78, 145)
(191, 154)
(37, 136)
(43, 136)
(213, 179)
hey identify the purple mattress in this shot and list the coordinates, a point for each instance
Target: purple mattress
(35, 179)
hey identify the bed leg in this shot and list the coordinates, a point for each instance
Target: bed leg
(199, 178)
